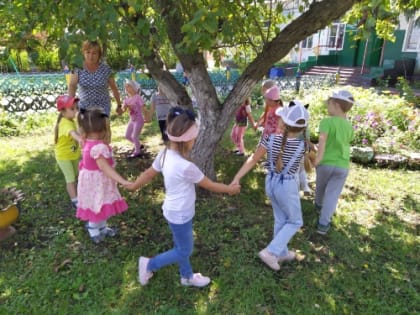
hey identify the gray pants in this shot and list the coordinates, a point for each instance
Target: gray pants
(329, 184)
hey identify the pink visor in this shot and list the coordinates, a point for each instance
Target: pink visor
(188, 135)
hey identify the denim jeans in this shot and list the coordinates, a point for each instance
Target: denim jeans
(285, 199)
(180, 253)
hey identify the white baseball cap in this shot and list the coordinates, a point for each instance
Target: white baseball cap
(343, 95)
(133, 84)
(293, 113)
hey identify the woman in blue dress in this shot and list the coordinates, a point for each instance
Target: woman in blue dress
(94, 80)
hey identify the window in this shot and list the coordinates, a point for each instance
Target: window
(412, 37)
(307, 42)
(336, 36)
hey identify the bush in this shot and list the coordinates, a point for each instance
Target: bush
(389, 123)
(25, 123)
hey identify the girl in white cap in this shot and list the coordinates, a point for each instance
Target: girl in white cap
(284, 152)
(180, 176)
(135, 104)
(333, 157)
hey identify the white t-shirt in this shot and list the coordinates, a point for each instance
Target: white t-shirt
(180, 177)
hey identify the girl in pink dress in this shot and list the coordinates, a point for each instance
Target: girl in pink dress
(273, 102)
(135, 105)
(98, 195)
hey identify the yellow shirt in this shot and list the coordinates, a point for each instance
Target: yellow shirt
(66, 147)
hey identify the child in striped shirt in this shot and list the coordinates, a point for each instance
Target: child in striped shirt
(284, 152)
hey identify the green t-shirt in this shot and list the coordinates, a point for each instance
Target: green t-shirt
(339, 136)
(66, 147)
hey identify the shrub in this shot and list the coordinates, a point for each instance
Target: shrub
(389, 123)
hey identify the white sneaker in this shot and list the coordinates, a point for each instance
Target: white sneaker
(144, 275)
(269, 259)
(291, 255)
(197, 280)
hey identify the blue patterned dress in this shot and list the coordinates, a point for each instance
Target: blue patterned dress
(94, 88)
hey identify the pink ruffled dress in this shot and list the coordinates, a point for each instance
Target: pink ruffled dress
(98, 195)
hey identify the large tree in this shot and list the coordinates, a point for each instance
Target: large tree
(260, 29)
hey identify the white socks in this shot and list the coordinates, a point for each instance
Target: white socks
(94, 229)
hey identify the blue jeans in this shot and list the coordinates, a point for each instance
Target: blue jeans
(287, 211)
(180, 254)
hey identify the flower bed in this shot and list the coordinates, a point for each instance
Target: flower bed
(386, 127)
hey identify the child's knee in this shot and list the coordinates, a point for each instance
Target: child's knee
(185, 251)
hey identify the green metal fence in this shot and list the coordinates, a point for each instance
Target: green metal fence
(37, 92)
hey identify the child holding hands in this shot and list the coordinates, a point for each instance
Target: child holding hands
(135, 104)
(333, 158)
(180, 176)
(243, 115)
(284, 154)
(66, 140)
(99, 198)
(272, 103)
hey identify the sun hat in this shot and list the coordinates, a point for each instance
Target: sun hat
(65, 101)
(293, 113)
(343, 95)
(133, 84)
(273, 93)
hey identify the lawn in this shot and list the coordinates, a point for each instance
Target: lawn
(367, 264)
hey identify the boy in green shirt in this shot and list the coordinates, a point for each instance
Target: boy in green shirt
(333, 157)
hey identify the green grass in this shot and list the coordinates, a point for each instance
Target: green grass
(367, 264)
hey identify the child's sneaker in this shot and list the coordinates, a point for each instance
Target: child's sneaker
(97, 238)
(291, 255)
(197, 280)
(307, 192)
(269, 259)
(107, 231)
(94, 234)
(322, 229)
(144, 275)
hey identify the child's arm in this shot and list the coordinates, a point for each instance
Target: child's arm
(251, 119)
(109, 171)
(260, 121)
(114, 88)
(143, 179)
(146, 114)
(208, 184)
(75, 135)
(249, 164)
(74, 80)
(321, 148)
(125, 106)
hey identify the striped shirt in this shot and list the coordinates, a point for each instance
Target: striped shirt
(291, 146)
